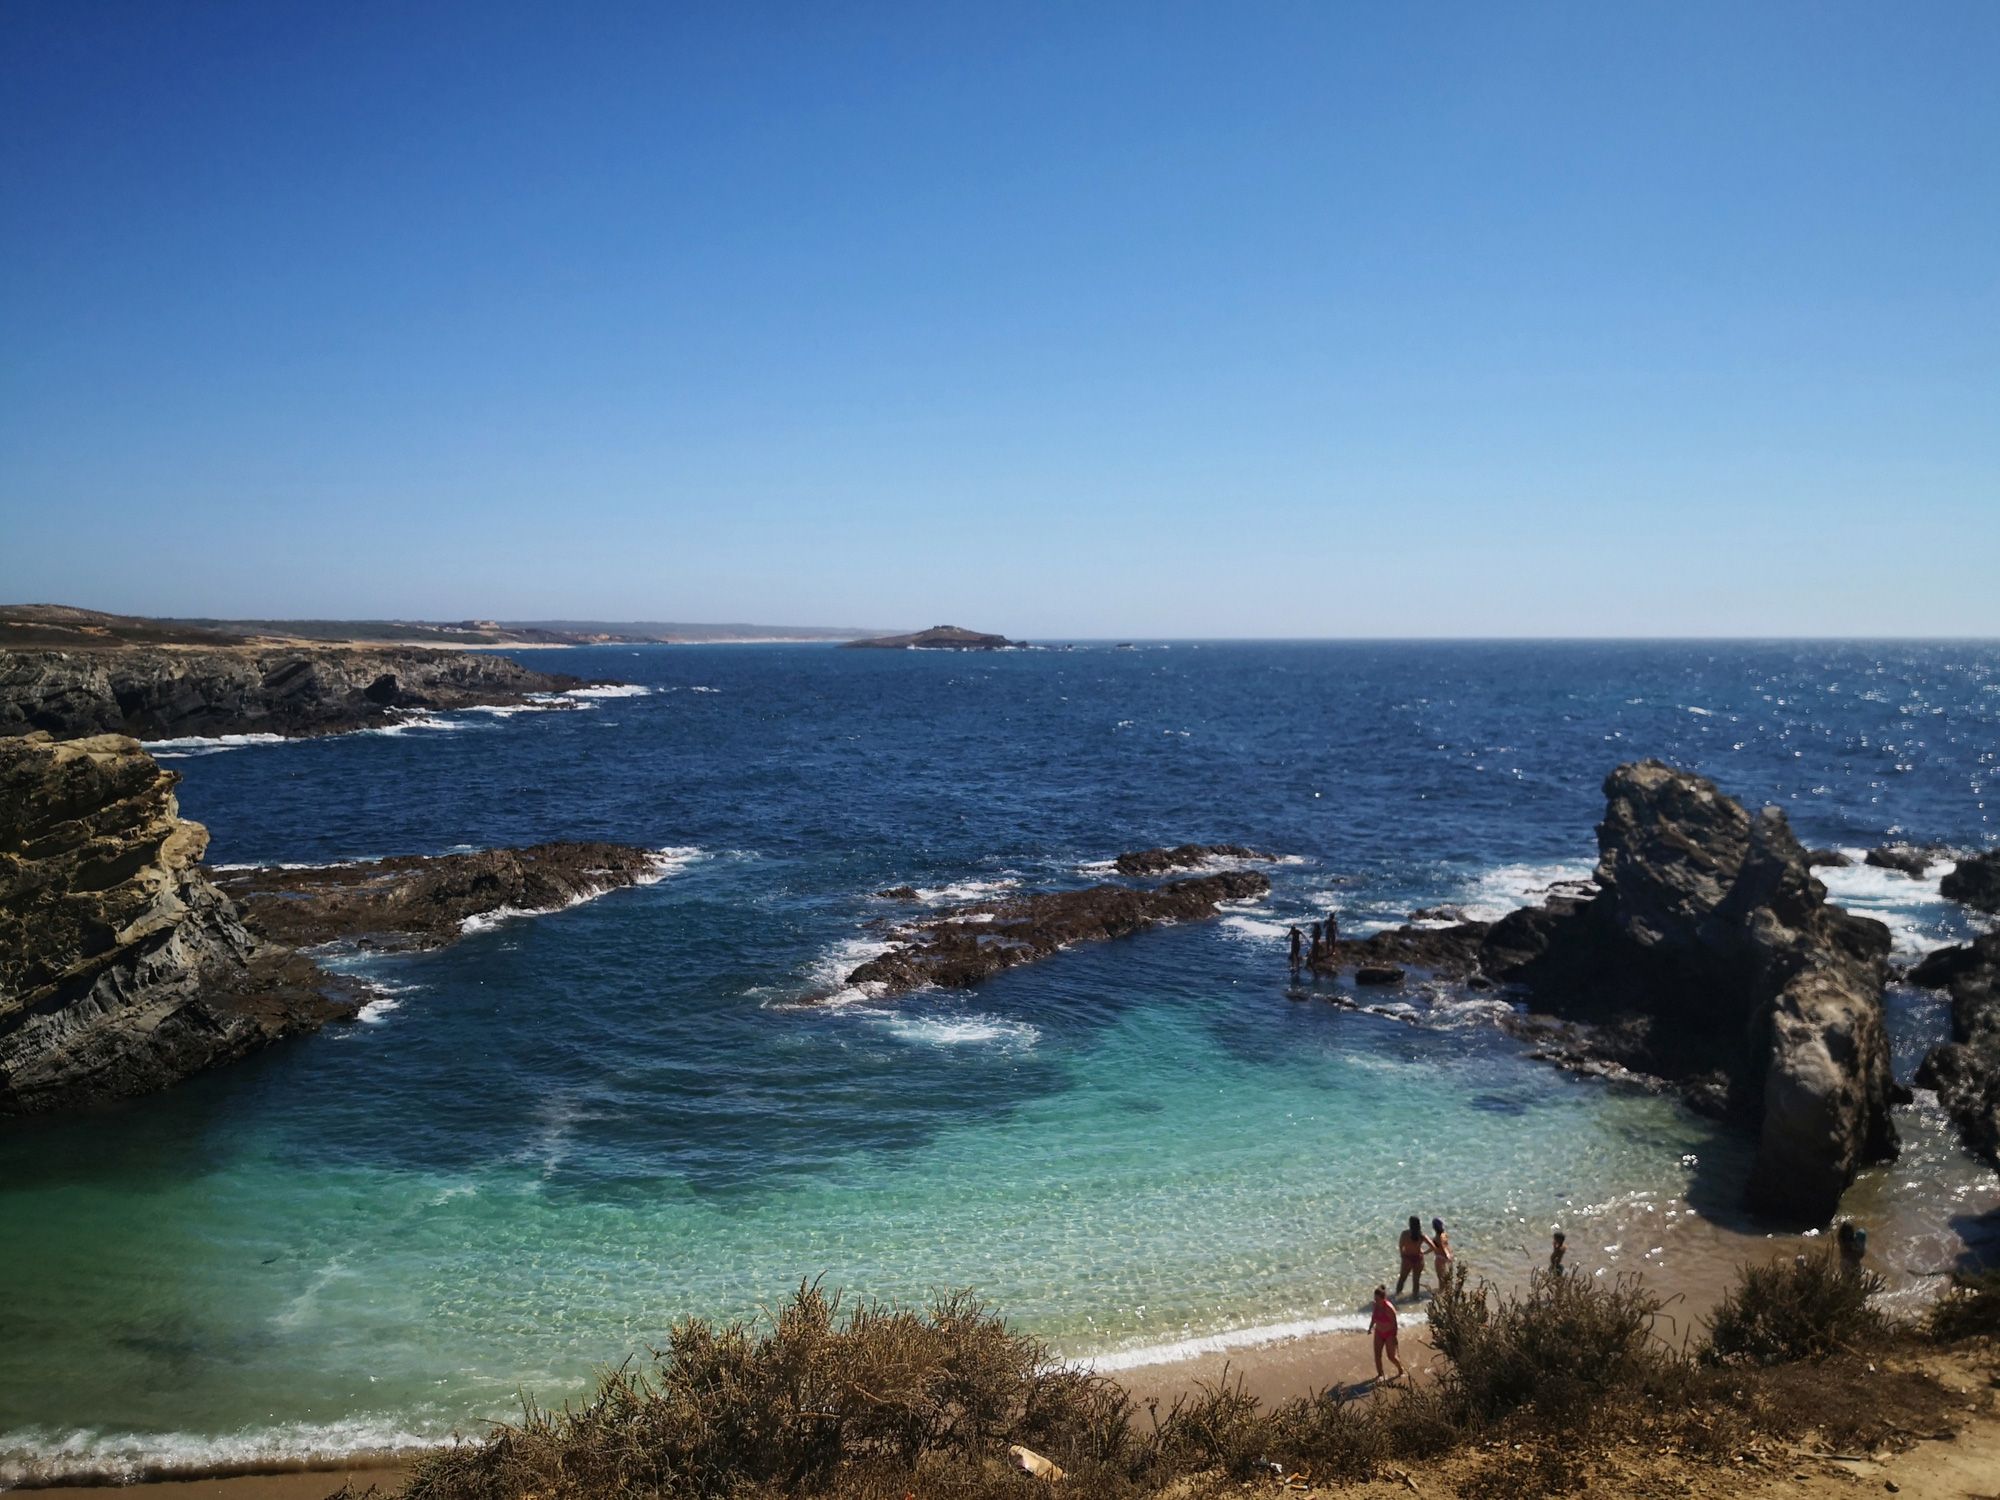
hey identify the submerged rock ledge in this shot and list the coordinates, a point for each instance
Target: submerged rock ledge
(427, 900)
(967, 944)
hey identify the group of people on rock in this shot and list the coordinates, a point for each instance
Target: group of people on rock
(1318, 953)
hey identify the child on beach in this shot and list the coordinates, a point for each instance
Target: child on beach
(1441, 1250)
(1382, 1323)
(1558, 1247)
(1411, 1245)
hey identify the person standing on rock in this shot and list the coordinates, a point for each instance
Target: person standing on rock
(1298, 942)
(1316, 956)
(1411, 1245)
(1332, 927)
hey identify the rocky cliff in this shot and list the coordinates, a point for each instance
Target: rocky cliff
(1710, 955)
(169, 693)
(1975, 881)
(121, 968)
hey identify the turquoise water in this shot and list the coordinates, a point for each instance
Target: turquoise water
(547, 1143)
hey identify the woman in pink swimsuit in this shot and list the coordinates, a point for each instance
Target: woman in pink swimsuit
(1382, 1323)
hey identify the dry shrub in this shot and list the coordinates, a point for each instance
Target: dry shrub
(727, 1408)
(1970, 1308)
(1559, 1347)
(1805, 1308)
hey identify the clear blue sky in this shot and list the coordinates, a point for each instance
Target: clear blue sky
(1063, 319)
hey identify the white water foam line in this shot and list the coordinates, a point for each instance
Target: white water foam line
(967, 891)
(661, 862)
(828, 973)
(1194, 1345)
(610, 690)
(41, 1455)
(1493, 893)
(192, 745)
(958, 1031)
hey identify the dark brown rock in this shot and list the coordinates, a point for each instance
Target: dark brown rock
(898, 893)
(425, 900)
(967, 944)
(1827, 859)
(1184, 857)
(122, 969)
(1905, 858)
(152, 693)
(1378, 974)
(1975, 881)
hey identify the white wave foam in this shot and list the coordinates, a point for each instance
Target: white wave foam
(959, 1031)
(610, 690)
(1216, 1343)
(828, 973)
(1911, 906)
(1493, 893)
(403, 726)
(966, 891)
(704, 690)
(661, 862)
(42, 1455)
(1258, 928)
(191, 745)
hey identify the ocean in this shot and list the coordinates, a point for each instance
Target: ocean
(540, 1147)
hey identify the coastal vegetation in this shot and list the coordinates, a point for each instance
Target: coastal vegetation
(1548, 1389)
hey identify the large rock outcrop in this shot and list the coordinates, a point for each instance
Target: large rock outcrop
(1187, 857)
(122, 969)
(970, 943)
(939, 638)
(1966, 1070)
(1710, 953)
(171, 693)
(1975, 881)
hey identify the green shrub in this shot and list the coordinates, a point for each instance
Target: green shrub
(1804, 1308)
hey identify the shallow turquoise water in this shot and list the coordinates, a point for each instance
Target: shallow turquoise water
(551, 1141)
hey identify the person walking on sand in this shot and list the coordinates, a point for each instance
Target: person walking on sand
(1411, 1245)
(1382, 1323)
(1298, 943)
(1441, 1251)
(1558, 1248)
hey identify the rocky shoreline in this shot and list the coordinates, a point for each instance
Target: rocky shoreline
(158, 693)
(126, 965)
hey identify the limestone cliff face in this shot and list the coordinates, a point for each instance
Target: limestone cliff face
(121, 968)
(166, 693)
(1711, 944)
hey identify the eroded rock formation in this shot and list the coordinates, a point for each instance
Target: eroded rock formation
(1713, 956)
(969, 943)
(122, 969)
(167, 693)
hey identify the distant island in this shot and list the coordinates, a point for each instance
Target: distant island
(941, 638)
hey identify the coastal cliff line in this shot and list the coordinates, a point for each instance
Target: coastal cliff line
(157, 693)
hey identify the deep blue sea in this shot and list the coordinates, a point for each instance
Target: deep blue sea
(543, 1145)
